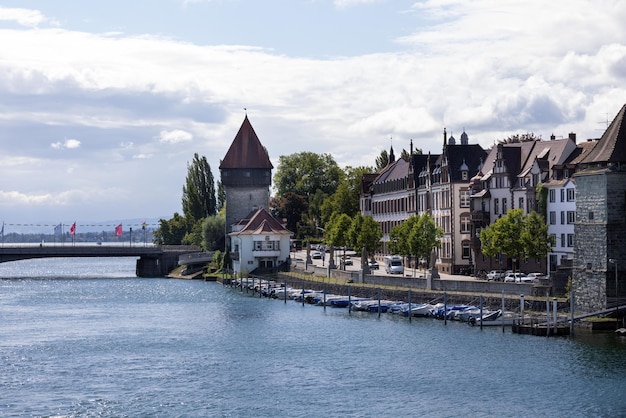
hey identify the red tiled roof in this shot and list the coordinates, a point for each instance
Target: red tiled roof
(262, 222)
(246, 150)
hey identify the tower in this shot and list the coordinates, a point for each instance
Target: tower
(246, 175)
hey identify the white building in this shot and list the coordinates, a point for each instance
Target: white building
(259, 241)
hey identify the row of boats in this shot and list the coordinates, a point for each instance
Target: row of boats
(473, 315)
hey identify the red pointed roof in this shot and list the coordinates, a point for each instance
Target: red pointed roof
(262, 222)
(246, 150)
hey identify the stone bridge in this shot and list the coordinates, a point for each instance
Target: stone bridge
(152, 262)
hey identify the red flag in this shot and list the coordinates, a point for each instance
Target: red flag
(118, 230)
(73, 229)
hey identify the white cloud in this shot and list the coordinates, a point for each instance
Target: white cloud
(68, 143)
(175, 136)
(25, 17)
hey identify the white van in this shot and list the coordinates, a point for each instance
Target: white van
(393, 264)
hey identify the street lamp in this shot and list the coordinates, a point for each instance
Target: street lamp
(614, 261)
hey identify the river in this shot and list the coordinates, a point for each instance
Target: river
(84, 337)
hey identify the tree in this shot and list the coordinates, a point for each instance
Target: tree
(382, 160)
(365, 232)
(424, 236)
(221, 196)
(290, 206)
(517, 235)
(198, 199)
(172, 231)
(517, 138)
(338, 232)
(306, 172)
(399, 237)
(213, 232)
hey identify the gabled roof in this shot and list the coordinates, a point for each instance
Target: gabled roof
(473, 156)
(394, 171)
(262, 222)
(246, 150)
(611, 148)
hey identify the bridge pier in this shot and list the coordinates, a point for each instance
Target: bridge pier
(150, 266)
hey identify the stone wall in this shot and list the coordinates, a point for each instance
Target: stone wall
(243, 200)
(600, 235)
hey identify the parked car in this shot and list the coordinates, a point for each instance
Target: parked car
(535, 277)
(347, 261)
(495, 275)
(316, 255)
(515, 278)
(373, 264)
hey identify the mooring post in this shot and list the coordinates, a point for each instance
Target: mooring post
(302, 292)
(379, 302)
(481, 311)
(554, 313)
(349, 300)
(521, 309)
(324, 295)
(547, 314)
(571, 313)
(503, 311)
(445, 308)
(410, 312)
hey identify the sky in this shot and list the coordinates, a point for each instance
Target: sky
(103, 104)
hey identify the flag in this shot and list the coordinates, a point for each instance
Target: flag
(118, 230)
(73, 229)
(2, 232)
(58, 230)
(143, 225)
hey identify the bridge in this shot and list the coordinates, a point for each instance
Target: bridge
(154, 261)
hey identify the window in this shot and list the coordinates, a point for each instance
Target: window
(591, 216)
(521, 203)
(552, 195)
(464, 175)
(552, 218)
(562, 217)
(504, 204)
(496, 206)
(466, 225)
(466, 250)
(570, 240)
(464, 199)
(562, 240)
(562, 195)
(571, 195)
(571, 216)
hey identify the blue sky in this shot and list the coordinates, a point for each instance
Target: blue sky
(104, 103)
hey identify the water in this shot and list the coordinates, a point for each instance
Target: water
(87, 338)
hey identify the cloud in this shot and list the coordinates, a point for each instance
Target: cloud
(68, 143)
(175, 136)
(25, 17)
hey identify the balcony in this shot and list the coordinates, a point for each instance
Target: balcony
(266, 253)
(479, 216)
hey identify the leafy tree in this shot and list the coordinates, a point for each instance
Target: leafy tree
(382, 160)
(221, 196)
(365, 232)
(198, 199)
(424, 235)
(517, 235)
(399, 237)
(290, 206)
(338, 235)
(517, 138)
(172, 231)
(194, 233)
(542, 199)
(306, 172)
(213, 232)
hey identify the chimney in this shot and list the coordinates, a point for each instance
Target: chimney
(552, 137)
(572, 136)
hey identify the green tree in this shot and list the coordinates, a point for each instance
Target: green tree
(517, 235)
(221, 196)
(172, 231)
(290, 206)
(213, 232)
(306, 172)
(338, 235)
(365, 232)
(424, 236)
(382, 160)
(198, 199)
